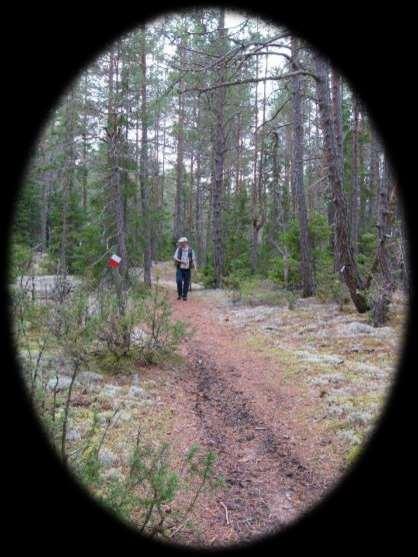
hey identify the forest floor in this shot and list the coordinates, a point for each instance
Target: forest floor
(286, 398)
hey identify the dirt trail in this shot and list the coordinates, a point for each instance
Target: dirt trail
(266, 482)
(264, 454)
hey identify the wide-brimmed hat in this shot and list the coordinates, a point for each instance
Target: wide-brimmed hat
(182, 239)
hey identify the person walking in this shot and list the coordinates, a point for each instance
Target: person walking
(185, 261)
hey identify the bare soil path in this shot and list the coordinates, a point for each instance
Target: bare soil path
(267, 455)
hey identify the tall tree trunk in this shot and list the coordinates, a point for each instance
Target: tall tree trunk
(219, 149)
(257, 197)
(68, 172)
(337, 118)
(156, 231)
(199, 207)
(199, 221)
(306, 269)
(355, 190)
(239, 155)
(114, 141)
(343, 246)
(404, 248)
(144, 171)
(85, 170)
(179, 213)
(374, 175)
(384, 279)
(276, 201)
(363, 186)
(46, 189)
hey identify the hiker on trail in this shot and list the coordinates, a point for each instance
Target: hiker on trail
(185, 260)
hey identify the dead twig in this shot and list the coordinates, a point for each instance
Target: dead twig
(226, 512)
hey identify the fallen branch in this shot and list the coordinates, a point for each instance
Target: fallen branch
(226, 512)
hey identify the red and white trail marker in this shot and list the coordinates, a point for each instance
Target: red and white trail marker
(114, 261)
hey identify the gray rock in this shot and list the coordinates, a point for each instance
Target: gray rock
(384, 331)
(88, 378)
(113, 474)
(107, 459)
(47, 286)
(335, 378)
(104, 417)
(363, 367)
(319, 381)
(349, 436)
(111, 391)
(73, 435)
(356, 328)
(136, 392)
(123, 416)
(326, 379)
(335, 411)
(360, 418)
(62, 384)
(320, 358)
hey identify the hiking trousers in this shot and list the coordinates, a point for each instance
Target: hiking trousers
(183, 282)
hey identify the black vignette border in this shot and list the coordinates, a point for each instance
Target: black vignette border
(45, 49)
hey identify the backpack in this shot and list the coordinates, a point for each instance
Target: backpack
(191, 264)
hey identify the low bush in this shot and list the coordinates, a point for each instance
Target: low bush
(143, 331)
(206, 275)
(255, 291)
(151, 493)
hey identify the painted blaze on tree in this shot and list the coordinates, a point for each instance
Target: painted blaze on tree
(114, 261)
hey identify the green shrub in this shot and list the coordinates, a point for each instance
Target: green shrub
(47, 265)
(143, 331)
(20, 260)
(149, 490)
(331, 289)
(256, 291)
(277, 271)
(164, 333)
(207, 275)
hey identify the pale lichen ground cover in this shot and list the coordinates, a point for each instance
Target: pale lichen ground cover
(335, 357)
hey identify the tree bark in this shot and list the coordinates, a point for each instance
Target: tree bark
(144, 171)
(384, 276)
(343, 246)
(179, 199)
(355, 190)
(306, 269)
(219, 158)
(114, 141)
(68, 173)
(374, 175)
(337, 88)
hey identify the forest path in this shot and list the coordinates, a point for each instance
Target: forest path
(248, 420)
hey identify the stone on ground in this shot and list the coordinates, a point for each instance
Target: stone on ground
(107, 458)
(88, 378)
(62, 384)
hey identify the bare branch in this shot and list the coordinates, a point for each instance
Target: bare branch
(275, 114)
(250, 80)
